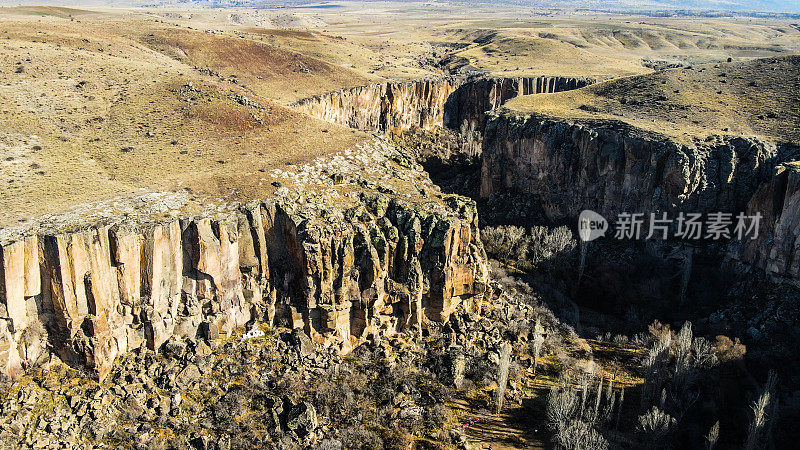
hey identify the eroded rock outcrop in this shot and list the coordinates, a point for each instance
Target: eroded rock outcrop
(341, 264)
(390, 107)
(276, 388)
(610, 167)
(613, 168)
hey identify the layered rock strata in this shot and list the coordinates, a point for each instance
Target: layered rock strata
(610, 167)
(390, 107)
(349, 248)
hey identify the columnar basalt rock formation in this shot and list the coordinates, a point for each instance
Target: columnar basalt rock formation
(394, 107)
(390, 107)
(469, 103)
(341, 268)
(611, 168)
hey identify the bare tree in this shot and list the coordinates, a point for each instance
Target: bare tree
(580, 435)
(654, 425)
(502, 374)
(597, 399)
(538, 340)
(569, 431)
(611, 400)
(584, 380)
(582, 265)
(762, 407)
(656, 363)
(704, 356)
(712, 436)
(686, 274)
(562, 406)
(683, 347)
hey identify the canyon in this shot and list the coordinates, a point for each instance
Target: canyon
(381, 265)
(456, 103)
(354, 226)
(89, 295)
(604, 165)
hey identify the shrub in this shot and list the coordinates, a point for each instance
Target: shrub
(620, 339)
(546, 245)
(654, 426)
(728, 350)
(358, 437)
(506, 243)
(763, 411)
(538, 248)
(564, 418)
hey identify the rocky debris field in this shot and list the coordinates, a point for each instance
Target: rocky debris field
(282, 390)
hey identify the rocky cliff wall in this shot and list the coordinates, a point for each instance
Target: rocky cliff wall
(394, 107)
(611, 168)
(340, 263)
(390, 107)
(467, 105)
(777, 251)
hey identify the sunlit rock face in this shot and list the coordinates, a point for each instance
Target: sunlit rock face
(457, 103)
(340, 257)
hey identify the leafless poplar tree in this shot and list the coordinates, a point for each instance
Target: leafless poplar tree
(538, 340)
(502, 374)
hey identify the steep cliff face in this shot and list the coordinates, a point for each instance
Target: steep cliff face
(777, 250)
(390, 107)
(382, 261)
(467, 105)
(394, 107)
(612, 168)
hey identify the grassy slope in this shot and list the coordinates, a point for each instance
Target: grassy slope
(400, 40)
(281, 74)
(756, 97)
(613, 46)
(95, 83)
(93, 113)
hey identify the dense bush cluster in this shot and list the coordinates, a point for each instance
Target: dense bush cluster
(575, 416)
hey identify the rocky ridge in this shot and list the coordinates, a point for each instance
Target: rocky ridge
(358, 245)
(569, 165)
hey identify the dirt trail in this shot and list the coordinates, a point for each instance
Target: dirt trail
(489, 431)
